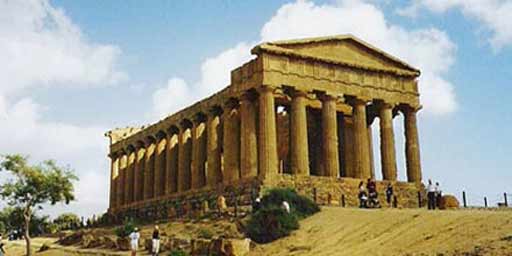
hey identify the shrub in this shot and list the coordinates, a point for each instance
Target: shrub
(178, 253)
(271, 223)
(205, 233)
(300, 205)
(125, 229)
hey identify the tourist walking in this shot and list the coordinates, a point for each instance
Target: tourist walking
(134, 241)
(155, 248)
(431, 195)
(439, 195)
(286, 206)
(389, 193)
(363, 197)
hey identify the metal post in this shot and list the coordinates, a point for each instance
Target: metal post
(395, 202)
(419, 199)
(342, 200)
(314, 195)
(506, 201)
(464, 199)
(485, 201)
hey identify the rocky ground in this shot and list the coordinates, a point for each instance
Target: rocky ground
(337, 231)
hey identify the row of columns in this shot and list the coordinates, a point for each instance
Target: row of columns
(240, 141)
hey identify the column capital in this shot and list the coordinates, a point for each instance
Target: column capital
(358, 100)
(385, 104)
(185, 124)
(173, 129)
(406, 108)
(248, 96)
(327, 96)
(266, 88)
(199, 118)
(214, 111)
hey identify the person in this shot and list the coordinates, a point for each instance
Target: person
(389, 193)
(438, 195)
(156, 241)
(286, 206)
(363, 198)
(134, 241)
(221, 204)
(431, 195)
(2, 251)
(256, 205)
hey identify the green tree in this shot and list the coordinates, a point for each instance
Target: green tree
(67, 221)
(33, 186)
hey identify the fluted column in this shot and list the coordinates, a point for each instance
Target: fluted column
(121, 180)
(267, 140)
(149, 170)
(160, 164)
(412, 147)
(114, 174)
(184, 157)
(249, 143)
(130, 177)
(387, 142)
(330, 136)
(172, 162)
(138, 185)
(231, 144)
(214, 175)
(198, 176)
(299, 156)
(361, 148)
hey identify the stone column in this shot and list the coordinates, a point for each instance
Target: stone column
(348, 141)
(412, 147)
(160, 163)
(267, 140)
(330, 136)
(198, 176)
(231, 144)
(121, 180)
(130, 177)
(299, 156)
(361, 148)
(114, 174)
(387, 142)
(214, 173)
(248, 143)
(172, 162)
(184, 156)
(149, 169)
(138, 185)
(370, 151)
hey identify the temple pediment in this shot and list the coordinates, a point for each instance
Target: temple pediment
(343, 49)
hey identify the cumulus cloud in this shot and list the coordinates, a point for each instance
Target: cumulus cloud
(494, 15)
(428, 49)
(41, 47)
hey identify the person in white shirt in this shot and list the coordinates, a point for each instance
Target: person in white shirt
(431, 195)
(438, 195)
(134, 241)
(286, 206)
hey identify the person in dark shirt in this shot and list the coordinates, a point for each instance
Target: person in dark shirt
(389, 193)
(156, 241)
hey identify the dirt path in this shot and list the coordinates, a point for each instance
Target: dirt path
(342, 231)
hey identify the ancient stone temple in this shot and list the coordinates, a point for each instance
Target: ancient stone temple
(297, 115)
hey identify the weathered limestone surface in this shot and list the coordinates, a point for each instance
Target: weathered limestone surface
(299, 114)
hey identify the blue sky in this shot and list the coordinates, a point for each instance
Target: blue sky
(74, 69)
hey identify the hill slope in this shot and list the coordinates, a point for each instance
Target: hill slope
(346, 231)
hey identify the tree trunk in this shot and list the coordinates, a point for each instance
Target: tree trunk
(27, 231)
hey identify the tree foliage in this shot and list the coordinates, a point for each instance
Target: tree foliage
(32, 186)
(67, 221)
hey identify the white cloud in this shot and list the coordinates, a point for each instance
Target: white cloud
(429, 49)
(494, 15)
(40, 46)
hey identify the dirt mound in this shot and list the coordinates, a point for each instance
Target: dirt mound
(349, 231)
(449, 202)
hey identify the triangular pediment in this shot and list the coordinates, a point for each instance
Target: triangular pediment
(345, 49)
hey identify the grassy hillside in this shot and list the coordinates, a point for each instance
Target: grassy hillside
(344, 231)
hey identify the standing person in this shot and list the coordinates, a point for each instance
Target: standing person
(438, 195)
(2, 251)
(389, 193)
(256, 205)
(156, 241)
(286, 206)
(362, 196)
(221, 204)
(134, 241)
(431, 195)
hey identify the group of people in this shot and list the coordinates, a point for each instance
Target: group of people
(134, 241)
(369, 197)
(256, 205)
(434, 195)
